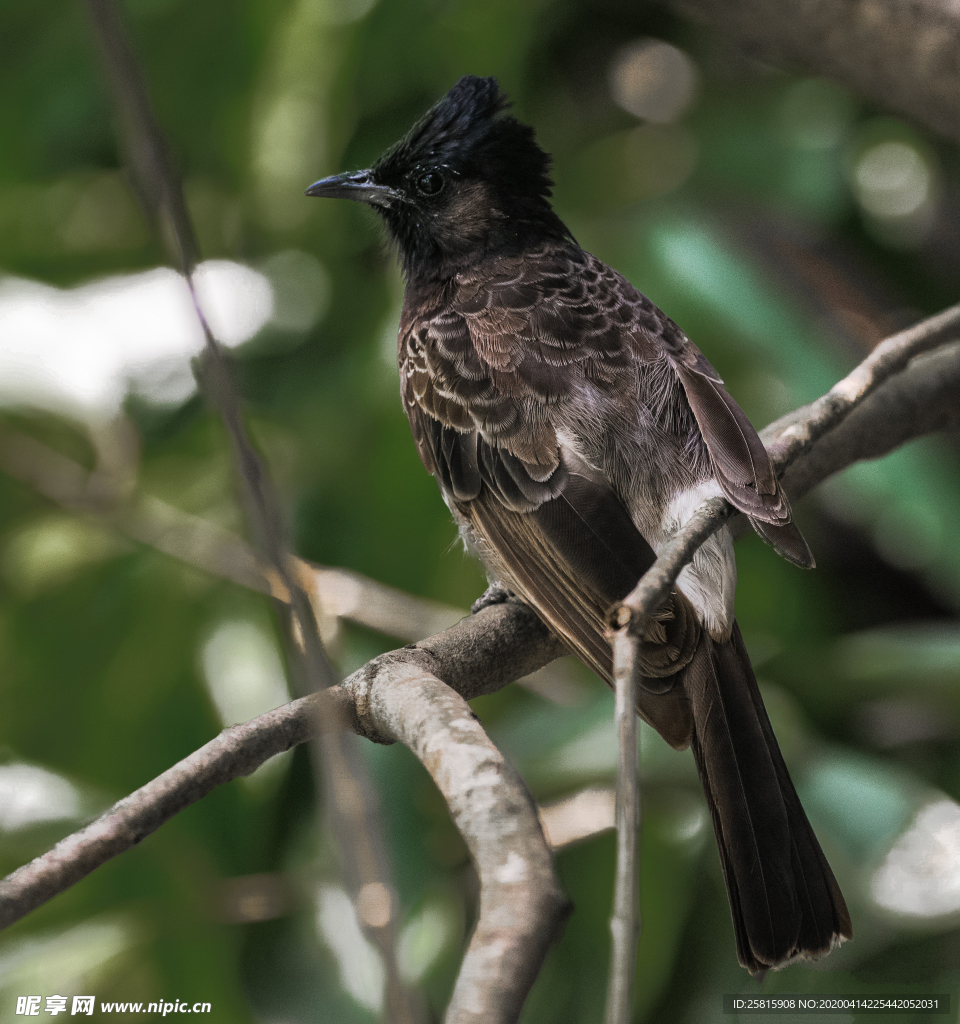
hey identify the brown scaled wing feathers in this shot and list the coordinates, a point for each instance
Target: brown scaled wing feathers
(484, 365)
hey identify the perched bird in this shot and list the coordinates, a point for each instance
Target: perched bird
(573, 428)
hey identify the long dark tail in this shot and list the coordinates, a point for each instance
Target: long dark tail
(785, 901)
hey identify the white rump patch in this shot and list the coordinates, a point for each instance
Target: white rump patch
(710, 580)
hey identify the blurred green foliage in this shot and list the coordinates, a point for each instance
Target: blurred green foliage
(754, 217)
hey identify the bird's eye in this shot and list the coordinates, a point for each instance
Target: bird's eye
(429, 184)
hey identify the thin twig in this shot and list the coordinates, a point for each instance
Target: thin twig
(237, 751)
(355, 821)
(657, 582)
(625, 921)
(793, 435)
(630, 618)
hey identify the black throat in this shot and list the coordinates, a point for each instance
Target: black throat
(470, 234)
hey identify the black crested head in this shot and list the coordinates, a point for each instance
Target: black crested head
(469, 133)
(467, 181)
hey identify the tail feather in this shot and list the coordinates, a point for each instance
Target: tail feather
(826, 921)
(785, 901)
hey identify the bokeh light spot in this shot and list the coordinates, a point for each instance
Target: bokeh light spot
(243, 671)
(30, 795)
(301, 289)
(653, 80)
(77, 350)
(361, 969)
(892, 179)
(920, 876)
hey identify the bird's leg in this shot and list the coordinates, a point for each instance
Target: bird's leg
(496, 593)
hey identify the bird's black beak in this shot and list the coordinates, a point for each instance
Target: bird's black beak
(354, 185)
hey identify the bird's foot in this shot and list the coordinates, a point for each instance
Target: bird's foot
(496, 593)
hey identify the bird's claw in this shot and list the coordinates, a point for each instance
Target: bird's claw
(496, 593)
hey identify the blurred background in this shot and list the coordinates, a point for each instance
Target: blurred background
(786, 223)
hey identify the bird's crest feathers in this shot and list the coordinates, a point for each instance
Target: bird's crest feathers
(468, 132)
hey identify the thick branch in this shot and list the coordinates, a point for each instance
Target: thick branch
(521, 905)
(903, 54)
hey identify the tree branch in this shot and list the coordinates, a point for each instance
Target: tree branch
(236, 752)
(333, 593)
(793, 435)
(625, 921)
(398, 696)
(478, 655)
(521, 905)
(903, 54)
(922, 399)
